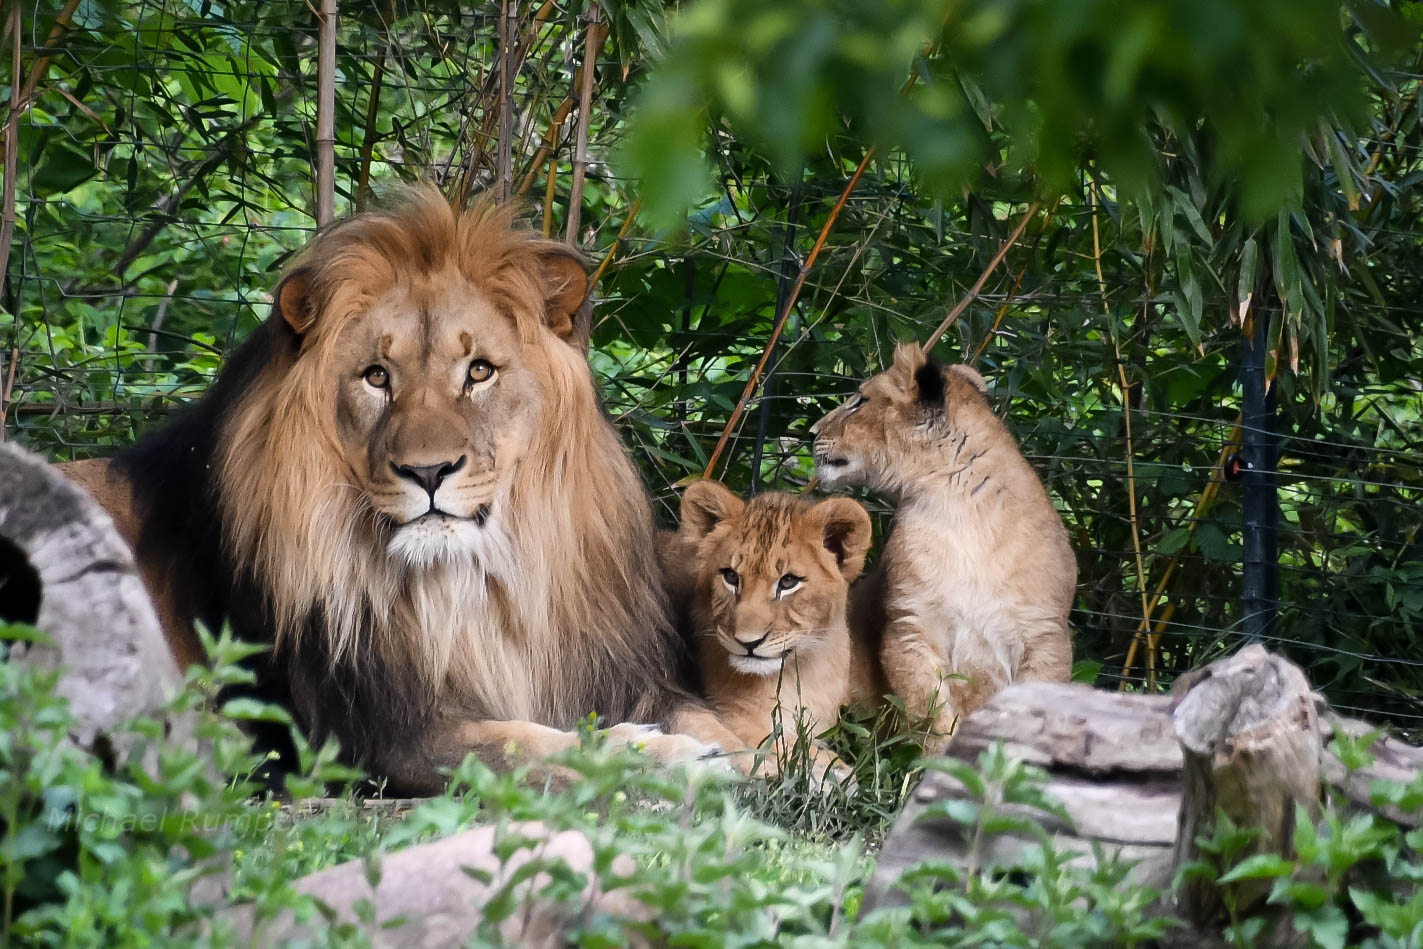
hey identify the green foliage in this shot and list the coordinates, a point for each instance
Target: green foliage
(1059, 82)
(112, 853)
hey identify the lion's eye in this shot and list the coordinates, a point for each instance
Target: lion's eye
(376, 377)
(856, 403)
(730, 577)
(788, 582)
(481, 370)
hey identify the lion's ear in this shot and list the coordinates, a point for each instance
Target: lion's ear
(705, 504)
(969, 375)
(565, 283)
(292, 300)
(845, 532)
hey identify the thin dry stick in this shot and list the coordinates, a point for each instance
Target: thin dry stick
(9, 377)
(1126, 416)
(503, 158)
(585, 105)
(326, 116)
(550, 190)
(973, 292)
(740, 406)
(61, 26)
(368, 137)
(785, 313)
(1017, 282)
(608, 257)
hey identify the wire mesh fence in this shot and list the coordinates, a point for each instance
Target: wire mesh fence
(164, 155)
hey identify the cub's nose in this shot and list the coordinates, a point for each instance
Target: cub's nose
(750, 645)
(429, 477)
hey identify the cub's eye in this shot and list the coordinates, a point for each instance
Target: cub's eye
(730, 577)
(481, 370)
(376, 377)
(788, 582)
(856, 403)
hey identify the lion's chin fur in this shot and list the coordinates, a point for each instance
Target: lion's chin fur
(438, 538)
(755, 665)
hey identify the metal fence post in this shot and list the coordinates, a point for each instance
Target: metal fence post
(1259, 455)
(790, 266)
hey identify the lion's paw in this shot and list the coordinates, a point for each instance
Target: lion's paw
(672, 748)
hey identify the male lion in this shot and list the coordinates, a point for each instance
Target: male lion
(976, 578)
(405, 482)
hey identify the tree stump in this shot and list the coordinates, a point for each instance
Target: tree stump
(64, 569)
(1249, 730)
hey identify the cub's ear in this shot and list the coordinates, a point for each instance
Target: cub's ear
(929, 385)
(845, 532)
(917, 374)
(970, 375)
(565, 283)
(705, 504)
(292, 300)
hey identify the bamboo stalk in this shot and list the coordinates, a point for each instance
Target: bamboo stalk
(12, 148)
(973, 292)
(585, 104)
(1202, 508)
(785, 313)
(1126, 413)
(326, 116)
(503, 158)
(470, 166)
(368, 136)
(608, 257)
(555, 125)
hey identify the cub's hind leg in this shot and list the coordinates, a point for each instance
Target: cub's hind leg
(918, 672)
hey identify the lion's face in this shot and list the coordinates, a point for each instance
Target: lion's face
(883, 435)
(436, 406)
(772, 574)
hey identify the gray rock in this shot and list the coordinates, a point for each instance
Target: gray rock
(428, 895)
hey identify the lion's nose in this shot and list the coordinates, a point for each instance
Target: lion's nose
(429, 477)
(751, 646)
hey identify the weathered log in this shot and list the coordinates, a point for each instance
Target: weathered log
(1112, 761)
(1117, 766)
(64, 568)
(1249, 730)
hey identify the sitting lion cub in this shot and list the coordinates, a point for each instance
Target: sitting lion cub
(977, 574)
(768, 580)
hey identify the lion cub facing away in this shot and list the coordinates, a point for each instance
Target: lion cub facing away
(768, 580)
(977, 573)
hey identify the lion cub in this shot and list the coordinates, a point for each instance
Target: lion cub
(768, 581)
(977, 574)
